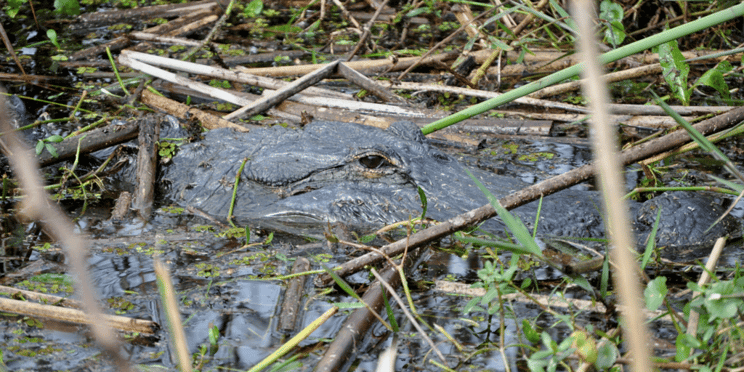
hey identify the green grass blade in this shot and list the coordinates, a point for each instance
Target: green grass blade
(341, 282)
(732, 185)
(388, 309)
(514, 248)
(235, 192)
(651, 244)
(515, 225)
(700, 139)
(424, 203)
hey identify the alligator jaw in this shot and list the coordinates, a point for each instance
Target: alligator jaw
(294, 222)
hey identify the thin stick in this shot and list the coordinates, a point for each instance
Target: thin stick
(231, 75)
(367, 31)
(170, 305)
(37, 206)
(610, 170)
(212, 32)
(391, 291)
(36, 296)
(715, 254)
(280, 95)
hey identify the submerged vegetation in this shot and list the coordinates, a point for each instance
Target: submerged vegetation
(479, 301)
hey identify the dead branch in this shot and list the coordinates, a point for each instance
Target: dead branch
(293, 296)
(148, 12)
(147, 165)
(36, 296)
(263, 104)
(94, 140)
(185, 112)
(76, 316)
(358, 323)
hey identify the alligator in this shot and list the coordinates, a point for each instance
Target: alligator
(365, 177)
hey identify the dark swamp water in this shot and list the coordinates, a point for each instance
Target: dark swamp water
(224, 286)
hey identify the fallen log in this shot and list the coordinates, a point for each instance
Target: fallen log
(147, 166)
(94, 140)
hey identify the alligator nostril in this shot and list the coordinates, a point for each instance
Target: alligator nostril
(373, 161)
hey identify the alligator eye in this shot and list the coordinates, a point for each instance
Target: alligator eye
(374, 161)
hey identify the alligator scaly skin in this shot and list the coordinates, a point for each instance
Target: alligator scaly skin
(364, 177)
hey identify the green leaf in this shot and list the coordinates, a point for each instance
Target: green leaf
(288, 366)
(497, 43)
(214, 335)
(52, 35)
(734, 186)
(714, 79)
(582, 283)
(675, 70)
(13, 7)
(605, 278)
(284, 29)
(341, 283)
(689, 340)
(615, 33)
(683, 348)
(53, 278)
(725, 308)
(348, 305)
(490, 295)
(606, 356)
(655, 292)
(39, 147)
(704, 143)
(55, 139)
(253, 9)
(612, 14)
(610, 11)
(585, 346)
(472, 306)
(367, 238)
(564, 14)
(530, 332)
(389, 310)
(536, 364)
(417, 11)
(67, 7)
(51, 149)
(548, 342)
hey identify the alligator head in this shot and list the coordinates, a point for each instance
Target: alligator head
(327, 173)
